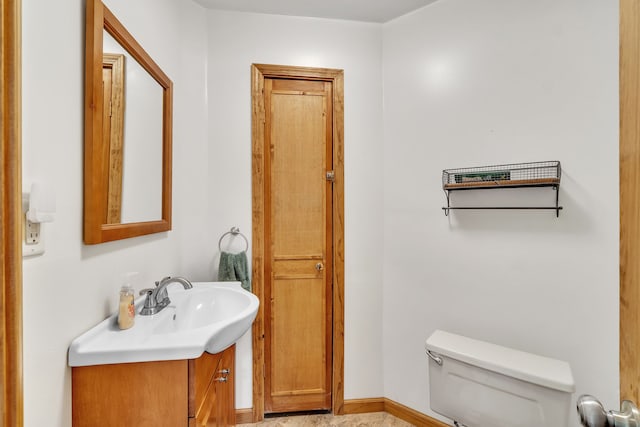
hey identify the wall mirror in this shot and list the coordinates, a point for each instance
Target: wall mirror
(128, 132)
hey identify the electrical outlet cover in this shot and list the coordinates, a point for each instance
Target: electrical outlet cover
(32, 242)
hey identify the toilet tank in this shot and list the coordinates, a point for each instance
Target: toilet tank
(479, 384)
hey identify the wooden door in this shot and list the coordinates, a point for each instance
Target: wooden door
(298, 232)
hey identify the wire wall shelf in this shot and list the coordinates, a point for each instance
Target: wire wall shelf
(515, 175)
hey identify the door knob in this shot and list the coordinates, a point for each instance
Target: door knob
(319, 266)
(593, 414)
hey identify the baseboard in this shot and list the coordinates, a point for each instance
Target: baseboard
(244, 416)
(410, 415)
(363, 406)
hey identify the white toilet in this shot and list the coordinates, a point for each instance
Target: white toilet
(478, 384)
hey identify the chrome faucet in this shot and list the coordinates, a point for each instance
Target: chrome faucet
(157, 298)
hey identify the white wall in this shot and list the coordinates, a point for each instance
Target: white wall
(72, 286)
(236, 40)
(470, 83)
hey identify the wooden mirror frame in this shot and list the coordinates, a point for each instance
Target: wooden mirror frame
(100, 18)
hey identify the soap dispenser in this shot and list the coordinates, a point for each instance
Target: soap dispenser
(126, 310)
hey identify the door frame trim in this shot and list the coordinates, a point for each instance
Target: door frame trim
(11, 403)
(629, 164)
(258, 74)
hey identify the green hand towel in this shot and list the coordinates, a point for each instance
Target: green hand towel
(233, 268)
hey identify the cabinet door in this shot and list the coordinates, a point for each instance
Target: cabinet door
(149, 394)
(225, 390)
(214, 403)
(206, 368)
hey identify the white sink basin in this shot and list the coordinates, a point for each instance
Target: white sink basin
(210, 317)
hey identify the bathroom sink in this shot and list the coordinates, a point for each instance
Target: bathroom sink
(209, 317)
(202, 306)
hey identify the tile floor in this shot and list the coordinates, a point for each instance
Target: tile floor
(375, 419)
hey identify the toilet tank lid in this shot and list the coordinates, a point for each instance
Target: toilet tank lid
(543, 371)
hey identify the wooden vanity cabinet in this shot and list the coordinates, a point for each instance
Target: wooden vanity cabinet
(193, 393)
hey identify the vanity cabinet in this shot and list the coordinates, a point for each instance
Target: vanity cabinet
(193, 393)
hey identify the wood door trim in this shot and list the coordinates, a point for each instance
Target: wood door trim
(297, 257)
(258, 74)
(11, 213)
(244, 416)
(629, 198)
(294, 276)
(113, 117)
(297, 92)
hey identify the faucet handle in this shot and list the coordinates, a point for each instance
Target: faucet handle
(150, 304)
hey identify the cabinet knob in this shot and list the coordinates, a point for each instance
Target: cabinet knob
(319, 266)
(221, 379)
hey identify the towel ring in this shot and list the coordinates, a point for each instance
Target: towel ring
(235, 231)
